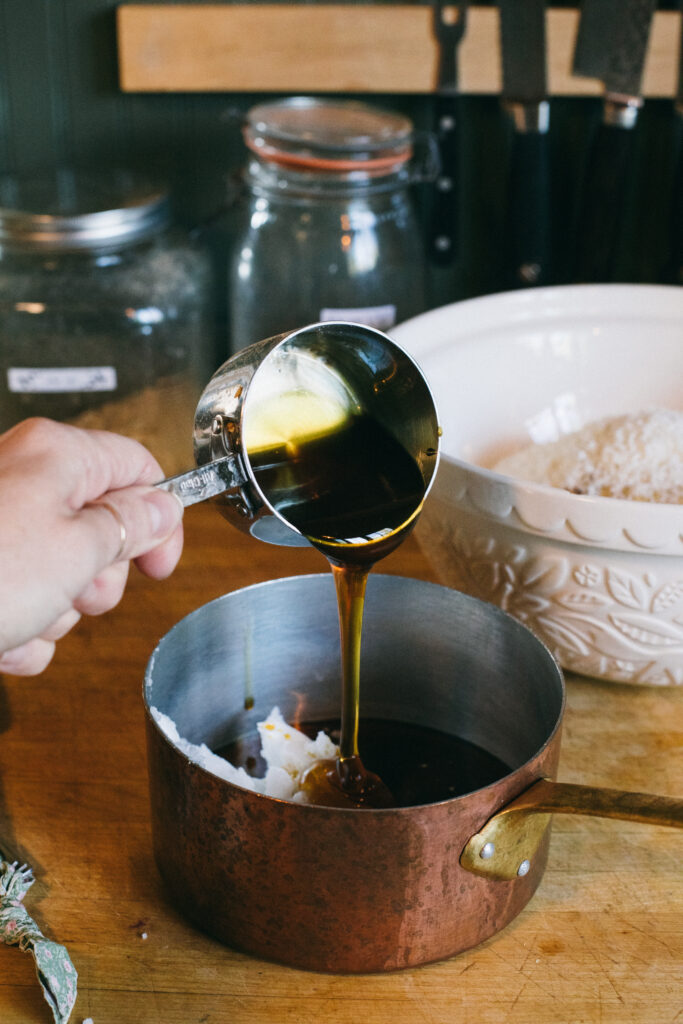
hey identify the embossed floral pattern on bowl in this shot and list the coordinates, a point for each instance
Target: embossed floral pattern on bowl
(599, 580)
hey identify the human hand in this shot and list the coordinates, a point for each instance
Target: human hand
(76, 507)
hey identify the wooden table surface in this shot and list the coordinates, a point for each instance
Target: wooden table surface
(601, 941)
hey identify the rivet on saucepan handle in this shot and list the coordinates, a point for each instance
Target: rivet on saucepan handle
(505, 847)
(507, 842)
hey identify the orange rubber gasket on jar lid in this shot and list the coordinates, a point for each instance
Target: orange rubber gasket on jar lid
(377, 165)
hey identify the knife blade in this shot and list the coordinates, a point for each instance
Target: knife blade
(524, 98)
(448, 24)
(611, 45)
(590, 48)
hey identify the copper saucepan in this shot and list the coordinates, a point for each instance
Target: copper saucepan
(361, 890)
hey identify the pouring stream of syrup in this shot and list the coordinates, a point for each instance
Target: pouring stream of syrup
(354, 491)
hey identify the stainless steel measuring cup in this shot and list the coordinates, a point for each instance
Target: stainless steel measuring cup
(304, 383)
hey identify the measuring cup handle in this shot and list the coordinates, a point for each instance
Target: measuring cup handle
(204, 482)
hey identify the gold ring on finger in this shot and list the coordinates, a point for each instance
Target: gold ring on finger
(122, 527)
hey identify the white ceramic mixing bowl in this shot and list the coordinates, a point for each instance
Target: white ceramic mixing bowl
(600, 580)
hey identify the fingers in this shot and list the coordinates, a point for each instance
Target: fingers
(30, 659)
(104, 592)
(101, 595)
(61, 626)
(129, 523)
(162, 560)
(76, 506)
(112, 462)
(80, 465)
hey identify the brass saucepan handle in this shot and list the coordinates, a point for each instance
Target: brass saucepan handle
(506, 845)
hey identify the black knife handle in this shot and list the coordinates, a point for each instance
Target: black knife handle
(527, 230)
(673, 270)
(599, 221)
(443, 238)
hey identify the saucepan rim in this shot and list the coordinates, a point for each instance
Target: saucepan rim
(492, 610)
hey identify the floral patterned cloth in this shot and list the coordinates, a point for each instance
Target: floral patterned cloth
(56, 974)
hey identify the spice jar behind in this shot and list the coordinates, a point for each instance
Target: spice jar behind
(327, 229)
(104, 310)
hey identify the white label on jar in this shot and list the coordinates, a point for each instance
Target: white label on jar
(55, 379)
(380, 317)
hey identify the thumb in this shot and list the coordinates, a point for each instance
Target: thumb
(126, 523)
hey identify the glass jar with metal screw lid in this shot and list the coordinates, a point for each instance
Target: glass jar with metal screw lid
(105, 317)
(327, 229)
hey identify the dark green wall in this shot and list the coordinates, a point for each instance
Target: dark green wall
(60, 103)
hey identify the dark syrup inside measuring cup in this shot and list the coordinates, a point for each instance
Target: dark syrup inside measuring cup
(348, 491)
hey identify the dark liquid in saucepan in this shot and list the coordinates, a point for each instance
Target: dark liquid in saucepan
(417, 764)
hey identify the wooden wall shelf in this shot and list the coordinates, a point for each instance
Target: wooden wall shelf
(353, 48)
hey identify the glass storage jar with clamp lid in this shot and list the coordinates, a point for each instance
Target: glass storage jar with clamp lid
(326, 229)
(105, 309)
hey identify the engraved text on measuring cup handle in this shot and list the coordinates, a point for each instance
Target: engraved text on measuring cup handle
(205, 481)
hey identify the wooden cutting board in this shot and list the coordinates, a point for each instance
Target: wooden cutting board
(602, 940)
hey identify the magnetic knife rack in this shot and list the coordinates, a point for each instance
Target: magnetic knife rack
(347, 48)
